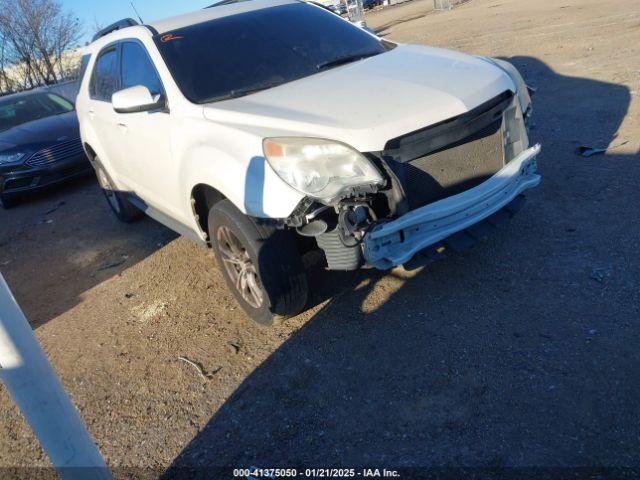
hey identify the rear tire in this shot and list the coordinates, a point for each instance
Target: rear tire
(261, 265)
(120, 205)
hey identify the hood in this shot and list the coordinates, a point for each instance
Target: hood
(35, 134)
(5, 145)
(369, 102)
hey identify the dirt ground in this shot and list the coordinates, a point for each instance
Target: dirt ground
(520, 352)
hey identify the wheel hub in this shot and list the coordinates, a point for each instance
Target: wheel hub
(240, 268)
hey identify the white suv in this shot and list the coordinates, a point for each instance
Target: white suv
(269, 128)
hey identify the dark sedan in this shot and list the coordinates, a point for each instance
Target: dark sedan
(39, 143)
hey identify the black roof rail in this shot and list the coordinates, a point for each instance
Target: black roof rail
(127, 22)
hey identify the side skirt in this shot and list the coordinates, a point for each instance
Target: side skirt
(167, 221)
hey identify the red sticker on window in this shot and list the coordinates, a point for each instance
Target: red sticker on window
(169, 37)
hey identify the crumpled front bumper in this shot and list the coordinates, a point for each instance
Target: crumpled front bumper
(395, 243)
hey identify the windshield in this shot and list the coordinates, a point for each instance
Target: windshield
(27, 108)
(240, 54)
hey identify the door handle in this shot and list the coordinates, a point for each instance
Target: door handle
(123, 127)
(92, 113)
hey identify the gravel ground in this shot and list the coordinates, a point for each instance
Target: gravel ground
(521, 352)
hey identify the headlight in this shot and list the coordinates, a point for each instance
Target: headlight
(322, 169)
(11, 157)
(521, 87)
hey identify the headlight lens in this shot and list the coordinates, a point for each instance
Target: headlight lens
(322, 169)
(11, 157)
(521, 87)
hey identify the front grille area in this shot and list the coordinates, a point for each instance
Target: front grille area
(453, 156)
(40, 179)
(453, 169)
(61, 151)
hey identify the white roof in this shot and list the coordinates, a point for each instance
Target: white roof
(201, 16)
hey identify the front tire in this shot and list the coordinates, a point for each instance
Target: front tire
(8, 202)
(261, 265)
(120, 205)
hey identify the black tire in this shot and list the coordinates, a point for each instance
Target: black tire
(9, 202)
(120, 205)
(272, 265)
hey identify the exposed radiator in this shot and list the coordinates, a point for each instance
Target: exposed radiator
(453, 169)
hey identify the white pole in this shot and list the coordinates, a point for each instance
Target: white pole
(35, 388)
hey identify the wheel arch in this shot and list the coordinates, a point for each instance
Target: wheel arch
(91, 153)
(242, 178)
(203, 198)
(96, 159)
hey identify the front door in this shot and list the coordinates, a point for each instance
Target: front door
(146, 136)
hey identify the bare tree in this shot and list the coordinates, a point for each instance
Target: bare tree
(36, 36)
(6, 85)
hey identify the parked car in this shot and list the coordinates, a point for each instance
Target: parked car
(267, 146)
(369, 4)
(341, 7)
(39, 143)
(336, 6)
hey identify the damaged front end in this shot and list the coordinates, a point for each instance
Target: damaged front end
(396, 242)
(432, 185)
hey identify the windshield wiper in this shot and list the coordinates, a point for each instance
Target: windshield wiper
(346, 59)
(241, 92)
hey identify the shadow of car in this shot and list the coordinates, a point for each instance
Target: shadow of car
(39, 143)
(458, 364)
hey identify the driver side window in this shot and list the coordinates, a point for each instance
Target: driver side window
(137, 69)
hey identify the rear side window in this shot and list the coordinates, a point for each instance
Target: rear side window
(104, 82)
(137, 68)
(84, 63)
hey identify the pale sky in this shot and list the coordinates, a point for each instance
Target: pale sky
(107, 12)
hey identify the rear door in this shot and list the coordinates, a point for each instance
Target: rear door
(145, 137)
(105, 81)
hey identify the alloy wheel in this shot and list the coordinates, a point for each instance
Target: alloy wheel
(240, 268)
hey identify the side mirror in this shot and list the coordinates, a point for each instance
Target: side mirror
(137, 99)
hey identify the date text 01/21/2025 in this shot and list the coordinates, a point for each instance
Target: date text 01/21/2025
(259, 473)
